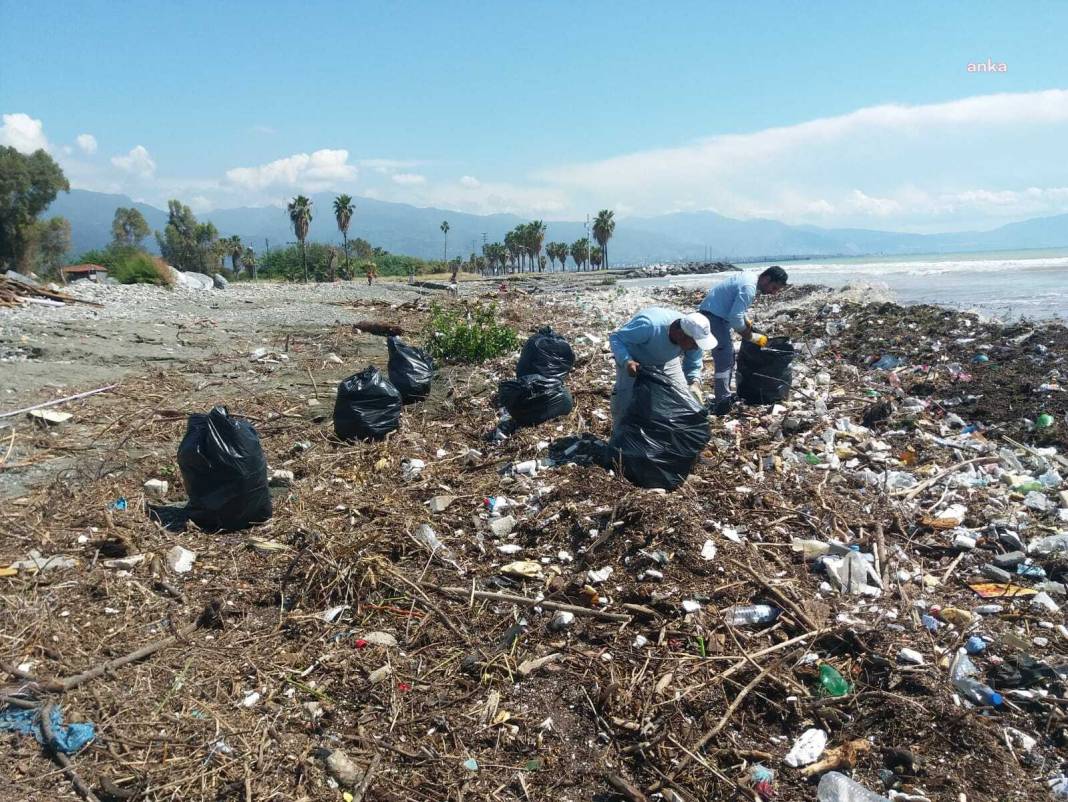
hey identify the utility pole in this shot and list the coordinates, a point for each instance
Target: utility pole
(587, 239)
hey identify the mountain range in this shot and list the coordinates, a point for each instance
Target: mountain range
(685, 236)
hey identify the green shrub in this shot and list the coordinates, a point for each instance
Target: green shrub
(140, 268)
(468, 334)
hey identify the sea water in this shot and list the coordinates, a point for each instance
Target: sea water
(1007, 285)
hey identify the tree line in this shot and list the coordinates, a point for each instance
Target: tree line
(29, 184)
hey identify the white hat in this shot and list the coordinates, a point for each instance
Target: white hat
(696, 325)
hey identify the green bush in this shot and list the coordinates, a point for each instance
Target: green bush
(140, 268)
(468, 334)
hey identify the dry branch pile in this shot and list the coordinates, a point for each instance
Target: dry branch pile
(582, 650)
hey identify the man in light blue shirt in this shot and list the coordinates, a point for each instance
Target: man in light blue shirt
(662, 338)
(725, 307)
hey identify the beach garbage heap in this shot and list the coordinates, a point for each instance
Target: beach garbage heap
(368, 406)
(545, 353)
(764, 374)
(534, 399)
(224, 471)
(662, 434)
(410, 369)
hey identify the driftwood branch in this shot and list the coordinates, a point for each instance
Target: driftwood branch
(525, 601)
(62, 759)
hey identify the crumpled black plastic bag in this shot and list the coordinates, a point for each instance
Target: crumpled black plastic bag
(368, 406)
(547, 354)
(764, 374)
(662, 433)
(225, 474)
(1021, 671)
(585, 449)
(534, 399)
(410, 369)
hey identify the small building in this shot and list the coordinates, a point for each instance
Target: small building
(89, 271)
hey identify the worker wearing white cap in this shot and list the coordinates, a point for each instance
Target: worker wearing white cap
(662, 338)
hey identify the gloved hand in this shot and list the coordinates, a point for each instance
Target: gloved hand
(695, 390)
(759, 340)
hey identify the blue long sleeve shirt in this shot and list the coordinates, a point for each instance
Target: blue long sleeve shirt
(645, 340)
(731, 298)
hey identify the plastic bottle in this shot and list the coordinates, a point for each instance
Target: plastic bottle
(750, 614)
(833, 683)
(810, 549)
(1044, 421)
(962, 673)
(836, 787)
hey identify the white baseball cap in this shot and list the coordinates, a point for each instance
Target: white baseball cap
(696, 325)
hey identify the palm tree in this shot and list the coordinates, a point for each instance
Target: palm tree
(300, 215)
(596, 255)
(511, 246)
(603, 228)
(445, 231)
(343, 211)
(237, 250)
(580, 248)
(557, 250)
(248, 259)
(536, 233)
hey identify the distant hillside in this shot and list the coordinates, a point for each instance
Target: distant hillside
(401, 228)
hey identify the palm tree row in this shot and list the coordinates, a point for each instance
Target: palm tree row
(521, 250)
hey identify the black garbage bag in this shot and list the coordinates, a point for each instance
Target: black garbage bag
(534, 399)
(368, 406)
(764, 374)
(410, 369)
(224, 471)
(547, 354)
(662, 433)
(585, 449)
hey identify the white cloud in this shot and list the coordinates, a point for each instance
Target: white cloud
(87, 142)
(470, 181)
(887, 165)
(408, 179)
(386, 166)
(313, 172)
(138, 162)
(23, 133)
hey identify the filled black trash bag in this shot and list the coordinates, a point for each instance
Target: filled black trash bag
(764, 374)
(662, 433)
(410, 369)
(368, 406)
(534, 399)
(547, 354)
(224, 471)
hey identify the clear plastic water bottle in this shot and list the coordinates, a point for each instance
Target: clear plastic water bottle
(836, 787)
(962, 673)
(750, 614)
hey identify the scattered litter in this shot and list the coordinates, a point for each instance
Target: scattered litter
(180, 559)
(807, 749)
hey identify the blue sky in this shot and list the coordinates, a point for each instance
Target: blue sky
(823, 113)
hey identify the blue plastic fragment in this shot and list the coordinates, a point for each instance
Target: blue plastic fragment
(69, 738)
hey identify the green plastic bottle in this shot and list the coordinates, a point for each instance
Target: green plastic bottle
(833, 683)
(1044, 421)
(812, 459)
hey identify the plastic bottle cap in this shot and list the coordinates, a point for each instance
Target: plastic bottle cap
(996, 699)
